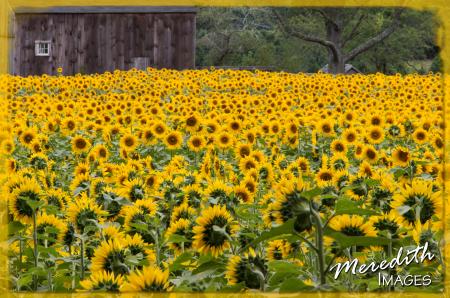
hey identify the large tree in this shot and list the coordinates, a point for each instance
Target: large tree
(340, 25)
(387, 40)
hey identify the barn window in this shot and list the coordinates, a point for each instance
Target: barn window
(42, 48)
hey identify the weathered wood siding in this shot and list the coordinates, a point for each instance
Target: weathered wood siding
(95, 43)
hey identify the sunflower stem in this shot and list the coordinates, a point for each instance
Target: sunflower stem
(82, 257)
(20, 252)
(320, 248)
(35, 247)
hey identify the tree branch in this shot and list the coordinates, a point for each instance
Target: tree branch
(375, 39)
(288, 31)
(353, 32)
(328, 18)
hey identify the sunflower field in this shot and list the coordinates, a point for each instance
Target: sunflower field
(219, 180)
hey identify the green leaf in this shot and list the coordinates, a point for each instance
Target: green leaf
(175, 238)
(309, 194)
(178, 263)
(283, 266)
(234, 288)
(208, 266)
(346, 206)
(293, 285)
(285, 229)
(25, 280)
(15, 227)
(348, 241)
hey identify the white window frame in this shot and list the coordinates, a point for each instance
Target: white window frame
(37, 48)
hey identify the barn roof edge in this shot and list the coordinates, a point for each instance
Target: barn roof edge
(106, 9)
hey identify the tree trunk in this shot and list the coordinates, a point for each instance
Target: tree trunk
(336, 63)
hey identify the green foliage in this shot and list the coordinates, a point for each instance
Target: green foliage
(251, 37)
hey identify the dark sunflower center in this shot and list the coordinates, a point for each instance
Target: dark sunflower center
(371, 154)
(191, 121)
(426, 208)
(80, 144)
(375, 134)
(84, 218)
(115, 262)
(351, 137)
(386, 225)
(28, 138)
(136, 193)
(172, 140)
(216, 238)
(420, 136)
(352, 231)
(196, 142)
(325, 176)
(21, 203)
(129, 142)
(403, 155)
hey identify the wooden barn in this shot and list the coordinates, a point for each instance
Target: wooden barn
(98, 39)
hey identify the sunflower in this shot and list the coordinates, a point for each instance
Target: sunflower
(437, 143)
(401, 156)
(28, 136)
(213, 231)
(349, 136)
(218, 191)
(249, 269)
(278, 250)
(128, 142)
(338, 146)
(417, 201)
(388, 222)
(193, 195)
(101, 152)
(82, 211)
(365, 170)
(192, 122)
(243, 150)
(196, 143)
(110, 201)
(135, 215)
(247, 163)
(375, 135)
(133, 190)
(27, 191)
(339, 161)
(110, 256)
(149, 279)
(159, 129)
(420, 136)
(173, 140)
(103, 281)
(370, 154)
(352, 225)
(290, 203)
(224, 140)
(243, 194)
(324, 177)
(7, 147)
(80, 144)
(11, 165)
(182, 227)
(50, 229)
(182, 211)
(80, 184)
(423, 233)
(138, 248)
(325, 127)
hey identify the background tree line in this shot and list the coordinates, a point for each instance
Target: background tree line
(387, 40)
